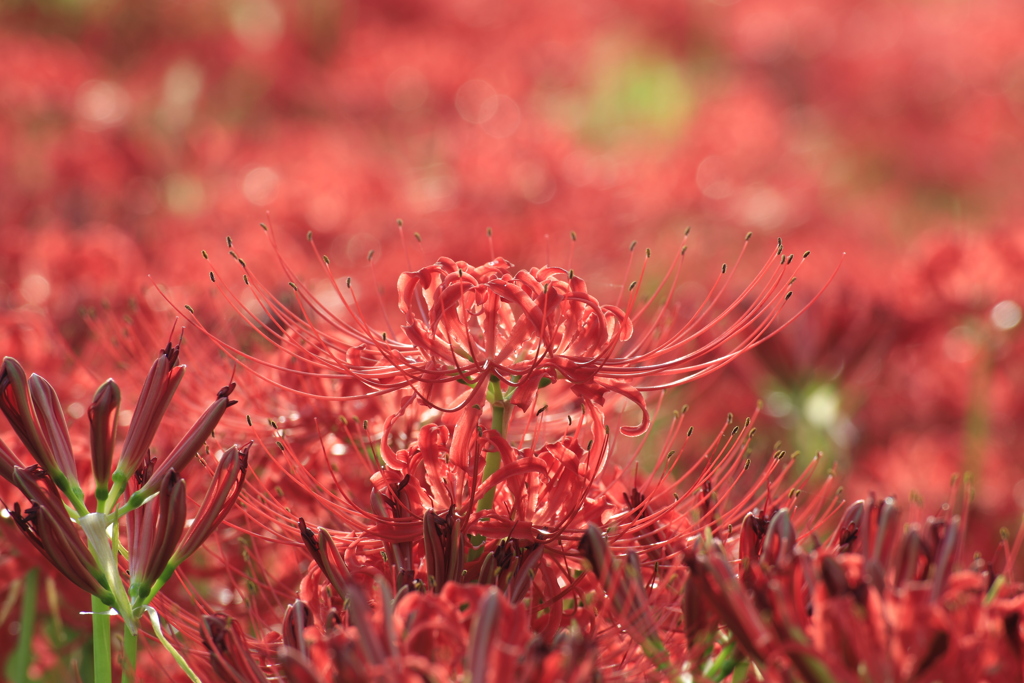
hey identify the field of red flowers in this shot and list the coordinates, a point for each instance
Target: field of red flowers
(579, 341)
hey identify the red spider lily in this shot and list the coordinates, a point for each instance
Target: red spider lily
(872, 602)
(425, 535)
(478, 324)
(464, 630)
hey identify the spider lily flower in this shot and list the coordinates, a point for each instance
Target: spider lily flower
(522, 329)
(478, 320)
(872, 604)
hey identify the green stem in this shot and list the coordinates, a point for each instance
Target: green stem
(23, 652)
(102, 672)
(159, 632)
(131, 646)
(493, 463)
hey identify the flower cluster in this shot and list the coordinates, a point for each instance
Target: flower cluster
(146, 495)
(488, 470)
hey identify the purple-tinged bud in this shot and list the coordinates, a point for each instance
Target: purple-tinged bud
(400, 553)
(297, 616)
(833, 576)
(489, 570)
(779, 542)
(443, 546)
(16, 404)
(162, 381)
(181, 456)
(624, 586)
(751, 537)
(699, 618)
(156, 536)
(945, 556)
(8, 461)
(482, 636)
(295, 667)
(847, 534)
(55, 536)
(38, 487)
(911, 558)
(34, 411)
(53, 428)
(325, 553)
(309, 539)
(522, 577)
(221, 496)
(229, 653)
(594, 547)
(322, 549)
(65, 551)
(102, 434)
(885, 534)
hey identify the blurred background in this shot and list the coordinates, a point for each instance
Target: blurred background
(135, 134)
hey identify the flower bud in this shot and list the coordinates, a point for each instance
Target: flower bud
(227, 486)
(8, 461)
(155, 539)
(181, 456)
(297, 616)
(102, 432)
(162, 381)
(229, 653)
(34, 411)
